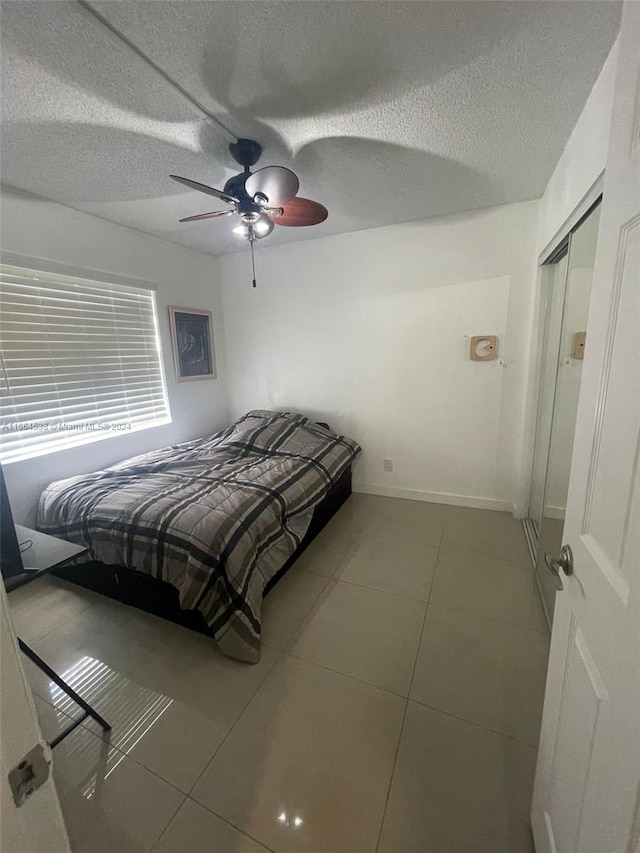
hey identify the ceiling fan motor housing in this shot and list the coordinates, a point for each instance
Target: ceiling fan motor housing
(235, 187)
(246, 152)
(247, 208)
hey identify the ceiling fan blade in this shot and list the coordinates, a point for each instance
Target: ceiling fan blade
(211, 215)
(203, 188)
(276, 183)
(301, 211)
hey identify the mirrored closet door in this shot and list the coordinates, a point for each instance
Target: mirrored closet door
(566, 292)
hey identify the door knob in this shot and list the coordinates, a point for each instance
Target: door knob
(563, 560)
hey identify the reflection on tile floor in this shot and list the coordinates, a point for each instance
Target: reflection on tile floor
(396, 706)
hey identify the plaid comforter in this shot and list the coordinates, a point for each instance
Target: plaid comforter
(216, 517)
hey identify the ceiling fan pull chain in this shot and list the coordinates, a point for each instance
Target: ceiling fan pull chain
(253, 262)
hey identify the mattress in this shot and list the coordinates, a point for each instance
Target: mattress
(216, 518)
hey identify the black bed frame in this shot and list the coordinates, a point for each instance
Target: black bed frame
(160, 598)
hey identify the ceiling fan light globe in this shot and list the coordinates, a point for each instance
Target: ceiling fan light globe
(263, 226)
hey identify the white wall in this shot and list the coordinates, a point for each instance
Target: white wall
(41, 229)
(583, 159)
(367, 331)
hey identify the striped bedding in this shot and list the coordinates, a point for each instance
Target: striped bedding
(216, 517)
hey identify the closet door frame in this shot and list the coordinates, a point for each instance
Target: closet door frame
(590, 200)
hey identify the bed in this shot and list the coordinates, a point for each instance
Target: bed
(199, 532)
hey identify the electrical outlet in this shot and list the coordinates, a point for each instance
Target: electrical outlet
(388, 465)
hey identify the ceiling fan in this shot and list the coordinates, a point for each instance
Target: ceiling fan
(259, 198)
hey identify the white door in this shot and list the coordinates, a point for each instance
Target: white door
(587, 795)
(37, 826)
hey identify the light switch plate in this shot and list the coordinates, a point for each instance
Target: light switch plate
(483, 348)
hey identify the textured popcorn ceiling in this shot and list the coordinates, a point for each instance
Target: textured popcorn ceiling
(388, 111)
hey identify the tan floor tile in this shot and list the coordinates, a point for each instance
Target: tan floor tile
(190, 669)
(488, 587)
(307, 767)
(345, 527)
(284, 608)
(356, 510)
(417, 521)
(339, 539)
(194, 829)
(106, 631)
(52, 721)
(40, 607)
(323, 557)
(485, 533)
(172, 711)
(458, 788)
(173, 740)
(483, 671)
(45, 587)
(110, 803)
(311, 735)
(391, 565)
(365, 633)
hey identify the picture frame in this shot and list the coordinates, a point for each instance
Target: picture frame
(192, 343)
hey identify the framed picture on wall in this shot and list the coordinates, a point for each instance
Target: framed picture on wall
(192, 341)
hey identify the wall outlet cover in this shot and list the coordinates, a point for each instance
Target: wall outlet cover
(388, 465)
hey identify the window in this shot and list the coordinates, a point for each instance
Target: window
(79, 361)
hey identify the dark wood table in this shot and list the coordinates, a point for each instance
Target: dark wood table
(40, 554)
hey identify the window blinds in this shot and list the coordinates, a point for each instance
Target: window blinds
(79, 360)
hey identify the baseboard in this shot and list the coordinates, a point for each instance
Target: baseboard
(557, 512)
(433, 497)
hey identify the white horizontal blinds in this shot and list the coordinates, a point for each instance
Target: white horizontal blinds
(80, 360)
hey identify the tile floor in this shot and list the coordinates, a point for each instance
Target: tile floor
(395, 708)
